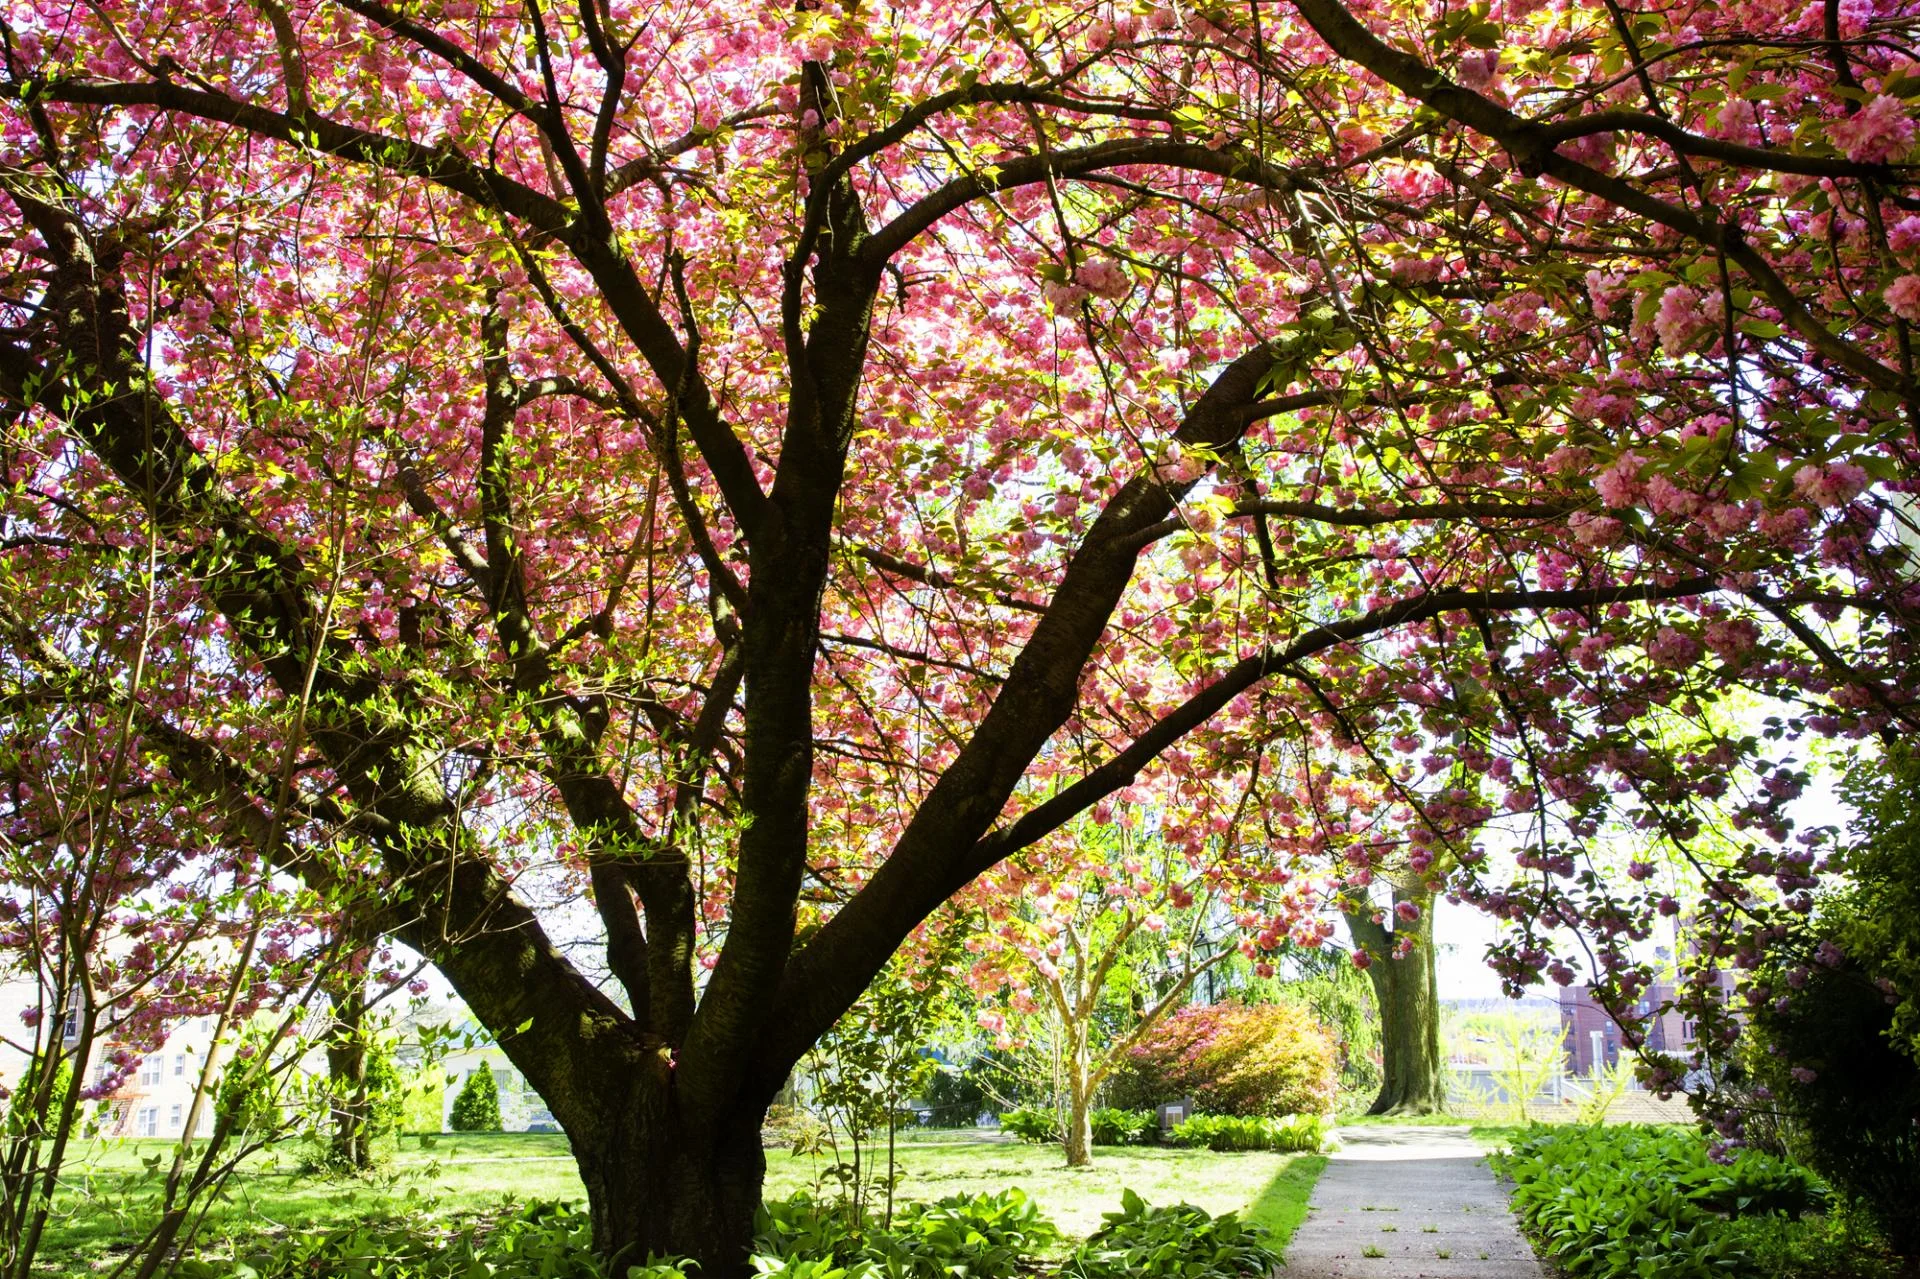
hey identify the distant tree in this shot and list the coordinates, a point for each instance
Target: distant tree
(1397, 954)
(477, 1108)
(423, 1100)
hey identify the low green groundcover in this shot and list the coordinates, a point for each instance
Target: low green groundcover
(982, 1236)
(1634, 1202)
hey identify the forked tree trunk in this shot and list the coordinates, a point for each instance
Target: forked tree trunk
(1409, 1009)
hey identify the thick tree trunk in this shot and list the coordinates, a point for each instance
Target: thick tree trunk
(1409, 1009)
(658, 1187)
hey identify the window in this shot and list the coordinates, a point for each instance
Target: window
(179, 1065)
(502, 1079)
(146, 1122)
(69, 1028)
(150, 1071)
(173, 1118)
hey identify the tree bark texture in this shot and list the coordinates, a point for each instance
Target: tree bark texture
(659, 1185)
(1076, 1134)
(1407, 994)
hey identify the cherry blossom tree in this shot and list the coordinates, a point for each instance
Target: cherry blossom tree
(1103, 930)
(768, 469)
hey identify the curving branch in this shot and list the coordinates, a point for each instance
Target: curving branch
(1532, 147)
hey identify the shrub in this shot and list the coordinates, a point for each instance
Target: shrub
(1268, 1059)
(1820, 1248)
(980, 1236)
(1838, 1020)
(801, 1225)
(386, 1091)
(1031, 1123)
(1180, 1242)
(477, 1108)
(1123, 1127)
(423, 1101)
(1629, 1202)
(795, 1129)
(1251, 1132)
(20, 1117)
(1857, 1113)
(956, 1098)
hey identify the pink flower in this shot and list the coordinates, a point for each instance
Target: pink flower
(1835, 484)
(1409, 269)
(1606, 288)
(1732, 637)
(1673, 649)
(1903, 298)
(1596, 530)
(1664, 497)
(1362, 960)
(1724, 519)
(1875, 134)
(1785, 527)
(1064, 297)
(1103, 279)
(1407, 912)
(1903, 237)
(1685, 318)
(1619, 484)
(1801, 1075)
(1478, 70)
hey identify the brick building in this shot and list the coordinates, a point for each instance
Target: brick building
(1593, 1040)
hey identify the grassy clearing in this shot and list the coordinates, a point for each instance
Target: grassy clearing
(111, 1193)
(459, 1176)
(1270, 1189)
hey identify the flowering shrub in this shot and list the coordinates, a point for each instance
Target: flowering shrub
(1269, 1059)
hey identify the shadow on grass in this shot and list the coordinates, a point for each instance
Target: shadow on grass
(1282, 1205)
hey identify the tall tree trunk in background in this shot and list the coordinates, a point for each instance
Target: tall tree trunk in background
(349, 1142)
(1408, 996)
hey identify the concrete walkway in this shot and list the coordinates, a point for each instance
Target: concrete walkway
(1409, 1203)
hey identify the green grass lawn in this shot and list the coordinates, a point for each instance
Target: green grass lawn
(1268, 1189)
(464, 1175)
